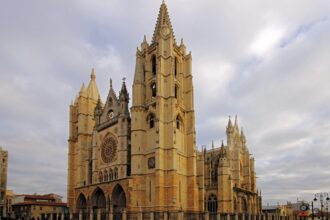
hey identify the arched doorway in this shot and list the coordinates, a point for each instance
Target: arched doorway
(235, 206)
(98, 203)
(82, 206)
(118, 199)
(244, 206)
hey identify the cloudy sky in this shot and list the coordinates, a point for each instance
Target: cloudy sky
(267, 61)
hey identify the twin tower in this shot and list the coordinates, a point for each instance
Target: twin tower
(145, 160)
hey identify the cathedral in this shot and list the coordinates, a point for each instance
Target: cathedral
(140, 160)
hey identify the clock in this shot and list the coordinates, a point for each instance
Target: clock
(151, 162)
(111, 114)
(304, 207)
(165, 31)
(108, 149)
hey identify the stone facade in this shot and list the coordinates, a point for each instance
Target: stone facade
(3, 181)
(144, 162)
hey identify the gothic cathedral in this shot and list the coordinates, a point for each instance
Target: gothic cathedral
(142, 162)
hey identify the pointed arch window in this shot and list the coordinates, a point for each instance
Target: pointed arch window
(176, 91)
(116, 173)
(175, 66)
(105, 176)
(151, 120)
(110, 175)
(235, 205)
(244, 205)
(100, 177)
(153, 89)
(154, 65)
(178, 122)
(212, 203)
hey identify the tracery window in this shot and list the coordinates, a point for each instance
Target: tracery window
(116, 173)
(212, 203)
(110, 175)
(100, 177)
(105, 176)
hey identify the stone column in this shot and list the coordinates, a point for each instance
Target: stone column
(98, 214)
(228, 216)
(124, 214)
(140, 217)
(165, 216)
(62, 216)
(51, 216)
(243, 216)
(180, 217)
(218, 216)
(71, 216)
(206, 215)
(111, 213)
(80, 215)
(91, 215)
(236, 216)
(152, 216)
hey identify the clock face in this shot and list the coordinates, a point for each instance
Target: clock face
(151, 162)
(304, 207)
(111, 114)
(108, 150)
(165, 31)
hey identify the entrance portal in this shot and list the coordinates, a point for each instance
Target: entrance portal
(82, 206)
(118, 199)
(98, 203)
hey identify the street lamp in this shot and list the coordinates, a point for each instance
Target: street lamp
(323, 197)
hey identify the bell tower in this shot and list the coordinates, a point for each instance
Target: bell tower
(163, 124)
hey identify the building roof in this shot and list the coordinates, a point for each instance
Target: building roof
(61, 204)
(44, 197)
(50, 196)
(270, 207)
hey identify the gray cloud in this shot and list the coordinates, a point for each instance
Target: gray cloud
(266, 61)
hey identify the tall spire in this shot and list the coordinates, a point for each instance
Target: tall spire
(163, 25)
(93, 74)
(112, 92)
(243, 138)
(123, 95)
(230, 125)
(92, 90)
(236, 124)
(222, 150)
(83, 91)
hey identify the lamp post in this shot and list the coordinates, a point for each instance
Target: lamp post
(322, 197)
